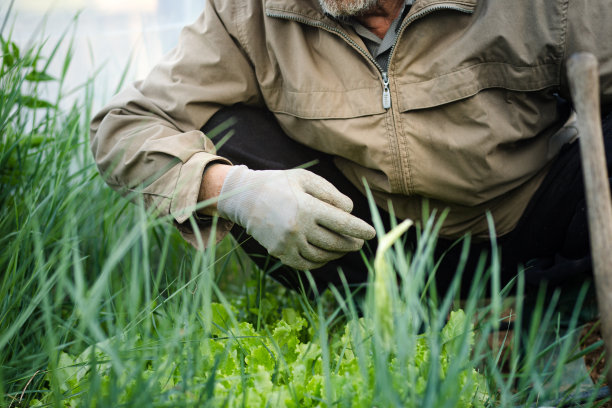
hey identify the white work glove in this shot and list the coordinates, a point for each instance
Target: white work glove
(299, 217)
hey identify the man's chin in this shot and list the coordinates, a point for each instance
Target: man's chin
(347, 8)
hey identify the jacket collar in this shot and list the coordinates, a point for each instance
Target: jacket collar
(467, 4)
(299, 9)
(311, 10)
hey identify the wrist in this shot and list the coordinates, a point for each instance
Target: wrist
(210, 188)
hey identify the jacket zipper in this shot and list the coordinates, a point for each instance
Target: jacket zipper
(386, 97)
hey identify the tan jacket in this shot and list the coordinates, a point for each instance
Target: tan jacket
(471, 86)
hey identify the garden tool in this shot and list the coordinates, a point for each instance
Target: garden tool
(582, 72)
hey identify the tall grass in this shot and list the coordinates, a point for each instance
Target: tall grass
(102, 304)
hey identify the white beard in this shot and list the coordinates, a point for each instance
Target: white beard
(347, 8)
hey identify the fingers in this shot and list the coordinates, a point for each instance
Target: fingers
(310, 257)
(318, 255)
(345, 224)
(317, 247)
(339, 221)
(323, 190)
(331, 241)
(302, 264)
(297, 261)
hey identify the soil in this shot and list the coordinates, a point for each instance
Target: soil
(595, 360)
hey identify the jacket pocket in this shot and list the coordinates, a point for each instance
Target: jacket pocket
(469, 81)
(325, 104)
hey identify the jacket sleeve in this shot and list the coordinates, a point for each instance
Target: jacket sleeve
(589, 28)
(147, 141)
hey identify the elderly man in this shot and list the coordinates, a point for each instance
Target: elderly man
(435, 105)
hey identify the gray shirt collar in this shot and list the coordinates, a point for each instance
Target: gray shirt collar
(376, 45)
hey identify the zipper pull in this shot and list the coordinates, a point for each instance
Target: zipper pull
(386, 99)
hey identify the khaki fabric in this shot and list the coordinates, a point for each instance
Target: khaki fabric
(473, 108)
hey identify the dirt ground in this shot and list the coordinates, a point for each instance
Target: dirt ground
(595, 360)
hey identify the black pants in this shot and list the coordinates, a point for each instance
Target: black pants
(550, 241)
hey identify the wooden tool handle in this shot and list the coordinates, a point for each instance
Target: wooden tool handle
(582, 70)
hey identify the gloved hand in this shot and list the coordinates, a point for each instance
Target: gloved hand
(299, 217)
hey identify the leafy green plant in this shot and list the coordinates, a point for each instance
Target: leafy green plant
(282, 364)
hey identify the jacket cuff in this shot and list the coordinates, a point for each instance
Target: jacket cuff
(185, 199)
(204, 233)
(185, 196)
